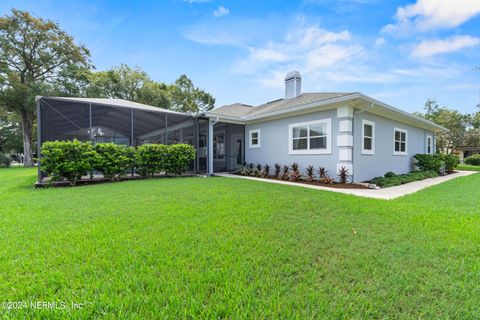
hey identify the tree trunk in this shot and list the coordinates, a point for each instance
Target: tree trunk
(27, 125)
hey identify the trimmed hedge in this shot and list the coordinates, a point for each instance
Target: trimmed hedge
(151, 159)
(435, 162)
(473, 160)
(114, 160)
(179, 157)
(390, 180)
(71, 160)
(5, 160)
(68, 159)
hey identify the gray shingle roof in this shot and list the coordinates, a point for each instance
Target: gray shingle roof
(239, 109)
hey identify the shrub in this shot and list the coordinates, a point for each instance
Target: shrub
(403, 178)
(295, 175)
(435, 162)
(5, 160)
(178, 157)
(473, 160)
(310, 173)
(343, 174)
(428, 162)
(390, 174)
(266, 171)
(324, 177)
(150, 159)
(68, 159)
(322, 172)
(113, 160)
(278, 168)
(249, 170)
(451, 161)
(257, 170)
(285, 174)
(326, 180)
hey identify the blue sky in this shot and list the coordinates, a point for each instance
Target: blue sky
(400, 52)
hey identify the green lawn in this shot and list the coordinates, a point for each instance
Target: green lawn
(232, 248)
(468, 168)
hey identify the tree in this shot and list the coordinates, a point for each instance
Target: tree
(456, 122)
(127, 83)
(34, 53)
(185, 97)
(10, 133)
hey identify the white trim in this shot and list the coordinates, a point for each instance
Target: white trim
(344, 140)
(399, 153)
(407, 118)
(431, 144)
(328, 131)
(372, 124)
(259, 142)
(345, 112)
(345, 126)
(345, 154)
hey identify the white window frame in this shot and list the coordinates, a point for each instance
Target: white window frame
(400, 153)
(372, 124)
(429, 138)
(250, 138)
(328, 131)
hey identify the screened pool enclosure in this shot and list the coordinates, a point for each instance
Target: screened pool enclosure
(219, 146)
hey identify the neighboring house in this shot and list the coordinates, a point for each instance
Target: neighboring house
(330, 130)
(467, 151)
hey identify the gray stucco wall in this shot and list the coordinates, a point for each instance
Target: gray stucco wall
(369, 166)
(274, 143)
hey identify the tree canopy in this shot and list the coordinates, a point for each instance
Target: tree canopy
(457, 123)
(33, 54)
(38, 58)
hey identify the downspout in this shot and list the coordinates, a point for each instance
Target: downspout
(372, 104)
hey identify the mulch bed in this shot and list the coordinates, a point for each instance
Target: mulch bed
(336, 185)
(98, 180)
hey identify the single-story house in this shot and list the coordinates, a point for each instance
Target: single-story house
(325, 129)
(332, 130)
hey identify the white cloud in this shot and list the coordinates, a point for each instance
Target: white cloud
(425, 15)
(221, 11)
(430, 48)
(380, 41)
(306, 48)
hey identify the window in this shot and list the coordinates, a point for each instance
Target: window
(399, 141)
(368, 137)
(254, 138)
(313, 137)
(429, 145)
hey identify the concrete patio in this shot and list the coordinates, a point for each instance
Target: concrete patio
(385, 194)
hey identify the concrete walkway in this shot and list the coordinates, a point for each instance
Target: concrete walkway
(386, 194)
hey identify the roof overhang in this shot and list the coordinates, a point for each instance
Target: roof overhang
(357, 100)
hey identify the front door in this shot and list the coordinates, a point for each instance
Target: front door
(236, 159)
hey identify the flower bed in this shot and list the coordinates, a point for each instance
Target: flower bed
(312, 176)
(390, 179)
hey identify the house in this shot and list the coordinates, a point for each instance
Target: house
(332, 130)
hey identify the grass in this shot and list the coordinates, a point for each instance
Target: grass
(232, 248)
(467, 167)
